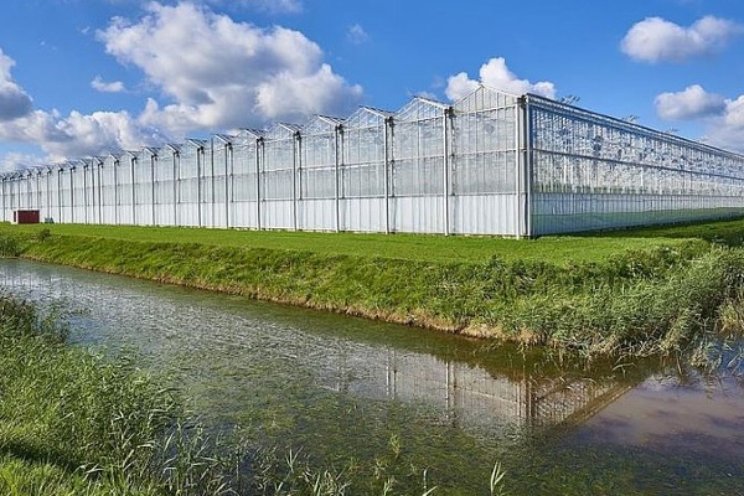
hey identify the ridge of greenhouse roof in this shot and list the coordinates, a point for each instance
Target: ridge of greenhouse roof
(430, 101)
(378, 111)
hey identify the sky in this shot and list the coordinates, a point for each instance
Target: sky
(84, 77)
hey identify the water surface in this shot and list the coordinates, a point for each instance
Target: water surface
(342, 387)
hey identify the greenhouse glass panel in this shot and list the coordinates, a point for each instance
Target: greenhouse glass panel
(484, 148)
(244, 166)
(166, 173)
(189, 172)
(363, 167)
(124, 179)
(418, 150)
(317, 172)
(144, 171)
(278, 167)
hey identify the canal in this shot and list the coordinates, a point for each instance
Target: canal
(340, 388)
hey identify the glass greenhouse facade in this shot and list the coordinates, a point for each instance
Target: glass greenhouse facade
(491, 163)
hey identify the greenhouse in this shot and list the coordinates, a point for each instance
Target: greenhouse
(491, 163)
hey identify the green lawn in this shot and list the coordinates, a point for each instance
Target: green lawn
(558, 250)
(727, 232)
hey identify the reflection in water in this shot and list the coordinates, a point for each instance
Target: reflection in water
(340, 387)
(471, 396)
(123, 313)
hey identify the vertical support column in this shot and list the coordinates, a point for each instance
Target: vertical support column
(132, 165)
(116, 190)
(214, 199)
(519, 155)
(199, 186)
(446, 121)
(38, 190)
(338, 152)
(524, 168)
(72, 195)
(388, 160)
(94, 200)
(296, 169)
(176, 179)
(5, 211)
(85, 192)
(49, 192)
(153, 161)
(227, 154)
(99, 177)
(260, 158)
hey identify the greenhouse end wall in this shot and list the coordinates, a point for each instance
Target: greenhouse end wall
(492, 163)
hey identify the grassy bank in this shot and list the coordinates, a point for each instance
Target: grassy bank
(608, 293)
(75, 424)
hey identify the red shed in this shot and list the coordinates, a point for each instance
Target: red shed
(26, 217)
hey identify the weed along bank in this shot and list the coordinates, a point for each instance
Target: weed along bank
(491, 163)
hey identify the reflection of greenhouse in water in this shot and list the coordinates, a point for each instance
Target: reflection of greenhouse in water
(471, 396)
(491, 163)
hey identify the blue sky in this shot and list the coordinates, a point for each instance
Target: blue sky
(78, 77)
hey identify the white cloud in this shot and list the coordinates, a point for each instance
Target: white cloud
(655, 39)
(496, 74)
(13, 161)
(77, 134)
(99, 84)
(727, 130)
(356, 34)
(691, 103)
(61, 137)
(14, 101)
(222, 74)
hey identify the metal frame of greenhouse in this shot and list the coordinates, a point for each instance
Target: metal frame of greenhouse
(491, 163)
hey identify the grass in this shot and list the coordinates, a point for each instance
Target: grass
(422, 248)
(724, 232)
(641, 292)
(72, 423)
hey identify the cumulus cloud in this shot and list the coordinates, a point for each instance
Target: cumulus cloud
(727, 129)
(14, 101)
(496, 74)
(99, 84)
(13, 161)
(655, 39)
(356, 34)
(723, 118)
(213, 72)
(691, 103)
(68, 136)
(220, 73)
(77, 134)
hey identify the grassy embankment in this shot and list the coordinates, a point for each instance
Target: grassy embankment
(75, 424)
(640, 292)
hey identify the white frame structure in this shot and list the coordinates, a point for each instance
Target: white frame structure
(491, 163)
